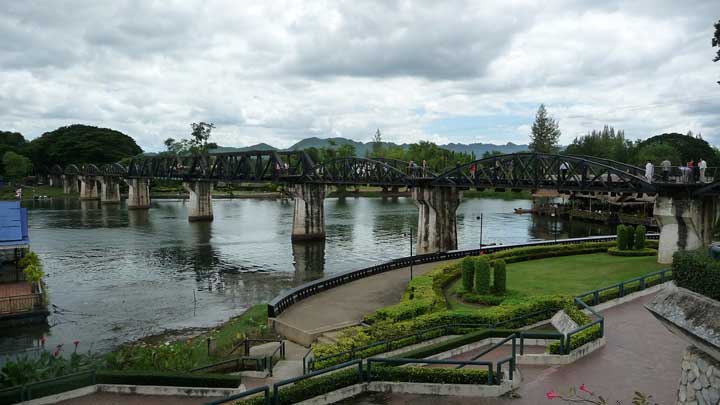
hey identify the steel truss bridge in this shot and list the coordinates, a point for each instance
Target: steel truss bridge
(514, 171)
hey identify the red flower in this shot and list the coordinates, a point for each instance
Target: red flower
(76, 343)
(552, 395)
(583, 388)
(57, 353)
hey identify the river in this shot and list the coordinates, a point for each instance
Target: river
(115, 275)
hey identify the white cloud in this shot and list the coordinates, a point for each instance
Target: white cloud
(279, 72)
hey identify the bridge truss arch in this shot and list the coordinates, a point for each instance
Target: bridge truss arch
(359, 171)
(545, 171)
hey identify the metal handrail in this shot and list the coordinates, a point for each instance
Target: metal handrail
(459, 363)
(279, 384)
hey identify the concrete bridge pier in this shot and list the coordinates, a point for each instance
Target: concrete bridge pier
(309, 213)
(685, 224)
(200, 200)
(109, 190)
(70, 184)
(138, 194)
(437, 225)
(88, 188)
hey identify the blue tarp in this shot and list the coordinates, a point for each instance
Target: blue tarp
(13, 224)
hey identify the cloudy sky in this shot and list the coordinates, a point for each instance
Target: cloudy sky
(279, 71)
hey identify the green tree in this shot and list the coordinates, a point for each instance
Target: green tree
(482, 275)
(640, 237)
(377, 146)
(11, 142)
(16, 166)
(545, 133)
(499, 277)
(630, 236)
(491, 153)
(201, 132)
(656, 153)
(716, 41)
(467, 265)
(606, 143)
(621, 239)
(346, 151)
(80, 144)
(687, 147)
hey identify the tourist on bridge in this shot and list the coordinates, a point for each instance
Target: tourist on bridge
(702, 165)
(473, 169)
(665, 169)
(563, 171)
(497, 169)
(690, 167)
(410, 167)
(649, 171)
(424, 168)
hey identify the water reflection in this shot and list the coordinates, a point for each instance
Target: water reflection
(309, 260)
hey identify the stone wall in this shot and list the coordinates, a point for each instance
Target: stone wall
(700, 379)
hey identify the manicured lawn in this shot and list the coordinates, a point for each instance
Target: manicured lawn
(568, 275)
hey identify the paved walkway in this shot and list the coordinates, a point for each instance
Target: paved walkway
(640, 355)
(350, 302)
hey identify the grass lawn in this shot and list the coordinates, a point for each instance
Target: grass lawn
(568, 275)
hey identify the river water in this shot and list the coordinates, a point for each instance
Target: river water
(115, 275)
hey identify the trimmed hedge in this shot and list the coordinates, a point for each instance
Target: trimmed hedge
(639, 238)
(433, 375)
(621, 240)
(588, 335)
(468, 272)
(484, 299)
(482, 276)
(632, 253)
(697, 271)
(131, 377)
(499, 277)
(630, 236)
(312, 387)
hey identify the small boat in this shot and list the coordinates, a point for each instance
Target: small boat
(524, 210)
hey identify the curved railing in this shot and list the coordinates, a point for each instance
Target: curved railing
(294, 295)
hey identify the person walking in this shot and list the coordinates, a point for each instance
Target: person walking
(410, 167)
(473, 168)
(665, 170)
(424, 168)
(563, 171)
(702, 165)
(690, 170)
(649, 171)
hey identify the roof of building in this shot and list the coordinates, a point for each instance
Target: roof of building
(13, 225)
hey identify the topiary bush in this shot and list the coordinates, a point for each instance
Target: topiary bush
(499, 277)
(621, 237)
(482, 276)
(468, 272)
(697, 271)
(640, 238)
(630, 236)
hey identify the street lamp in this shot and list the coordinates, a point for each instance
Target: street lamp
(411, 252)
(481, 229)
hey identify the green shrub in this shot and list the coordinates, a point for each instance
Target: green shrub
(471, 337)
(131, 377)
(697, 271)
(431, 375)
(640, 238)
(499, 277)
(588, 335)
(630, 236)
(484, 299)
(482, 276)
(632, 253)
(621, 238)
(312, 387)
(468, 272)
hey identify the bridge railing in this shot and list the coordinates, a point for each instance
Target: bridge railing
(297, 294)
(685, 175)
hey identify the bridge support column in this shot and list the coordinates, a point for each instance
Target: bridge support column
(70, 184)
(138, 194)
(109, 190)
(200, 200)
(437, 225)
(88, 188)
(309, 214)
(685, 224)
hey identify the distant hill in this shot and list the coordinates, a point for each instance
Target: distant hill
(362, 148)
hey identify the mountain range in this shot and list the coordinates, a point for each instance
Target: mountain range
(362, 148)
